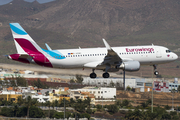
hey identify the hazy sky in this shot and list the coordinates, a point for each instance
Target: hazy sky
(40, 1)
(3, 2)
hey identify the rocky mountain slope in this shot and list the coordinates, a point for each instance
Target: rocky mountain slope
(87, 22)
(73, 23)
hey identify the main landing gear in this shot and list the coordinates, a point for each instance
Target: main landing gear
(155, 71)
(105, 75)
(93, 75)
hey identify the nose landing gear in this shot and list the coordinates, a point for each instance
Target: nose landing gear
(155, 71)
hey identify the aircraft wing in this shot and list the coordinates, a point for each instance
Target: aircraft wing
(93, 64)
(112, 58)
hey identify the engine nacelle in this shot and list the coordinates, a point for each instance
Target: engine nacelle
(129, 66)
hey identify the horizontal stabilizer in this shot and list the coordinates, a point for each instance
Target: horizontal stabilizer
(25, 56)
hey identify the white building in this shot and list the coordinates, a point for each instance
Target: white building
(100, 92)
(102, 81)
(28, 72)
(131, 82)
(173, 86)
(161, 86)
(7, 92)
(141, 83)
(40, 98)
(34, 76)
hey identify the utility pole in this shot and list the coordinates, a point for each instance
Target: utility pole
(152, 93)
(124, 79)
(64, 109)
(102, 102)
(172, 99)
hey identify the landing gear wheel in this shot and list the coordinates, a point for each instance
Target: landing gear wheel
(105, 75)
(93, 75)
(156, 73)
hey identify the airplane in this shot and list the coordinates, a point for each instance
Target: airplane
(108, 59)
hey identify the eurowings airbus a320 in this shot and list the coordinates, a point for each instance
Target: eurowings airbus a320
(108, 59)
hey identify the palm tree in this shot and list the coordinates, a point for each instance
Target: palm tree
(71, 102)
(20, 100)
(88, 102)
(34, 102)
(48, 103)
(10, 102)
(79, 106)
(114, 97)
(28, 104)
(79, 101)
(4, 102)
(15, 109)
(53, 104)
(178, 89)
(56, 103)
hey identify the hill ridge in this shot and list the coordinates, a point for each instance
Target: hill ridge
(73, 23)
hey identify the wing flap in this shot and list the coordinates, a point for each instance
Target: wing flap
(93, 64)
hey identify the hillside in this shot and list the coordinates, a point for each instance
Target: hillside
(74, 23)
(159, 98)
(87, 22)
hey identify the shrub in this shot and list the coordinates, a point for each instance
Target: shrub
(35, 112)
(58, 115)
(7, 112)
(167, 107)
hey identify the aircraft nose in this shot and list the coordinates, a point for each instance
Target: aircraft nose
(175, 56)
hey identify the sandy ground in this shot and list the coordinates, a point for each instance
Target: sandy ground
(56, 71)
(71, 72)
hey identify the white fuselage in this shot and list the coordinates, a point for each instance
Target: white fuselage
(109, 59)
(146, 55)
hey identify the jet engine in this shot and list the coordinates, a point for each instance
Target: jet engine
(129, 66)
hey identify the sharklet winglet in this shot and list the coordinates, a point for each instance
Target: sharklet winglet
(106, 44)
(47, 46)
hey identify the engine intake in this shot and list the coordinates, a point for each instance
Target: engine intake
(129, 66)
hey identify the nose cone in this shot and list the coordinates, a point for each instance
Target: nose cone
(175, 57)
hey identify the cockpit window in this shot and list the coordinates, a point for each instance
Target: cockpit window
(168, 51)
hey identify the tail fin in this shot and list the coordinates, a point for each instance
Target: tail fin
(24, 43)
(27, 48)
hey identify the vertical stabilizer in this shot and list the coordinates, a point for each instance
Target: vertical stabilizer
(24, 43)
(27, 48)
